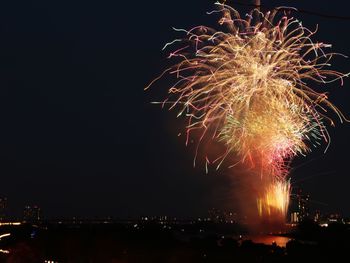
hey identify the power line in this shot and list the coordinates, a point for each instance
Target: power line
(308, 12)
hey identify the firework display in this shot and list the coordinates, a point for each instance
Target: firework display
(247, 86)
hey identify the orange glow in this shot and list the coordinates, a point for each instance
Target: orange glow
(275, 200)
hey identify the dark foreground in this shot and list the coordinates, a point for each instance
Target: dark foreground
(166, 243)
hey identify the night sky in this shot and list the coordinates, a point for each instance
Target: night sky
(79, 136)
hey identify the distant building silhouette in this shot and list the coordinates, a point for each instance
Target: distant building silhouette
(317, 216)
(303, 206)
(294, 217)
(218, 216)
(32, 214)
(335, 218)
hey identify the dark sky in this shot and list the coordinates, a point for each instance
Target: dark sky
(78, 133)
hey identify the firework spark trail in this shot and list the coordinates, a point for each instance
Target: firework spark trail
(247, 87)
